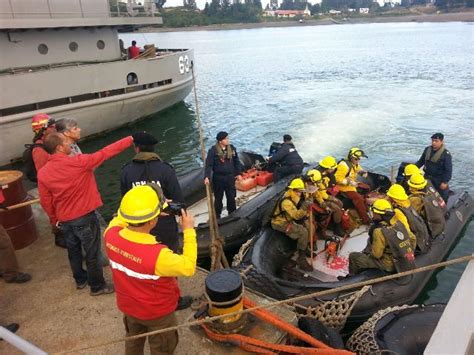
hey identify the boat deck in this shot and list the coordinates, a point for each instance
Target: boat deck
(55, 317)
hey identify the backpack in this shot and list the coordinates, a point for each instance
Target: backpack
(30, 168)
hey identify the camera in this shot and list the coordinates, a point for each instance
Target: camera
(174, 208)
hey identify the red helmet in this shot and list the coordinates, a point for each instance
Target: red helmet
(40, 120)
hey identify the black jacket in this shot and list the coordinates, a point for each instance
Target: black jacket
(440, 171)
(287, 155)
(159, 172)
(224, 166)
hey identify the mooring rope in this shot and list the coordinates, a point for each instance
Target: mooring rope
(282, 302)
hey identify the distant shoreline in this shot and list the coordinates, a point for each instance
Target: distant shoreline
(442, 17)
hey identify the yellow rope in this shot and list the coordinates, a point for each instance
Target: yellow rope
(278, 303)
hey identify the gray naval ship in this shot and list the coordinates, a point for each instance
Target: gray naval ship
(64, 58)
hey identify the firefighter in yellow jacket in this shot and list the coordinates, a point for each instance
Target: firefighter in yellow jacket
(289, 218)
(388, 247)
(144, 271)
(346, 178)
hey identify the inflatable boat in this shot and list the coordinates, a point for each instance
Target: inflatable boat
(402, 330)
(270, 269)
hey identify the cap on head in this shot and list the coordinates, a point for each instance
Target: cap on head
(410, 169)
(381, 207)
(356, 153)
(143, 138)
(315, 175)
(139, 205)
(397, 192)
(296, 184)
(41, 120)
(438, 135)
(221, 135)
(287, 138)
(328, 162)
(417, 181)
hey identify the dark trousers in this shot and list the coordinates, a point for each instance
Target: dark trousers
(84, 233)
(162, 343)
(224, 184)
(8, 262)
(281, 171)
(166, 232)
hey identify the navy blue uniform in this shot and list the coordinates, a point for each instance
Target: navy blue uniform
(289, 162)
(439, 171)
(224, 171)
(148, 167)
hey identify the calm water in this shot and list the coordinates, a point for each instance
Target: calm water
(382, 87)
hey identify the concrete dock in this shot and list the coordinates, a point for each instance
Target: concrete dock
(55, 316)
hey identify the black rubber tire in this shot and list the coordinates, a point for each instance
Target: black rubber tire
(262, 283)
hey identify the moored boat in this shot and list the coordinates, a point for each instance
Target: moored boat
(269, 268)
(65, 59)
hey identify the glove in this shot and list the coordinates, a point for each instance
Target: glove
(353, 183)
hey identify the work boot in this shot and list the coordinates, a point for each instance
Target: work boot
(184, 302)
(302, 262)
(338, 230)
(59, 240)
(19, 278)
(107, 289)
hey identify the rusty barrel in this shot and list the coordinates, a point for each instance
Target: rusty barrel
(19, 223)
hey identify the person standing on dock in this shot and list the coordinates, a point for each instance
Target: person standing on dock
(69, 195)
(286, 160)
(71, 130)
(8, 262)
(145, 271)
(224, 164)
(438, 164)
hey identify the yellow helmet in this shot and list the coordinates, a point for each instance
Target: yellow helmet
(328, 162)
(381, 206)
(356, 153)
(397, 192)
(139, 205)
(410, 169)
(296, 184)
(315, 175)
(417, 181)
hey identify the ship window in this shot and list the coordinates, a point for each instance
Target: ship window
(100, 44)
(132, 78)
(73, 46)
(43, 48)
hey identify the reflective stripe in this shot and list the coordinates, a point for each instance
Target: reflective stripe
(132, 273)
(144, 218)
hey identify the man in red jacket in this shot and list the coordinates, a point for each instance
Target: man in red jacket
(69, 195)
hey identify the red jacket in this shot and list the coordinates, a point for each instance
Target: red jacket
(67, 186)
(140, 292)
(40, 156)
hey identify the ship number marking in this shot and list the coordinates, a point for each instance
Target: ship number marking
(183, 63)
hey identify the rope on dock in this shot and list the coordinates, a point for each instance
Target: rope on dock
(462, 259)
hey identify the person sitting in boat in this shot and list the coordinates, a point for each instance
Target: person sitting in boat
(325, 208)
(425, 202)
(346, 179)
(408, 171)
(289, 217)
(388, 248)
(133, 50)
(413, 222)
(222, 160)
(438, 164)
(286, 161)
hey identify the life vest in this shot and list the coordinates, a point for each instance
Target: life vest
(434, 213)
(418, 227)
(398, 240)
(436, 156)
(140, 292)
(349, 165)
(279, 211)
(432, 191)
